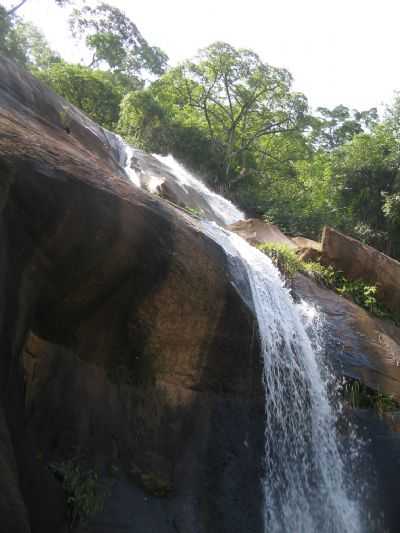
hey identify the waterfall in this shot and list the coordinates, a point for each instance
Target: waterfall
(307, 484)
(223, 208)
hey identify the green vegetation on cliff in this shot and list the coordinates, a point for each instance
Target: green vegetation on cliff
(362, 293)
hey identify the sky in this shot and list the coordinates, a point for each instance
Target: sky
(339, 52)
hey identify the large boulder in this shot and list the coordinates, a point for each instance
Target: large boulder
(123, 338)
(256, 231)
(303, 242)
(360, 261)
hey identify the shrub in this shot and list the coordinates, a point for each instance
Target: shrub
(84, 490)
(359, 396)
(283, 257)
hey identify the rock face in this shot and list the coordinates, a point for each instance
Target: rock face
(307, 249)
(360, 261)
(123, 339)
(359, 345)
(256, 231)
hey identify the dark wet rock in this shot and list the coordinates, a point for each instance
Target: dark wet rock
(359, 345)
(380, 467)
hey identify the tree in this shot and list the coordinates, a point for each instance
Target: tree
(232, 101)
(24, 43)
(17, 6)
(241, 99)
(95, 92)
(5, 28)
(367, 170)
(333, 127)
(115, 41)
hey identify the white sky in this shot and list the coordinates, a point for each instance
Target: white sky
(339, 51)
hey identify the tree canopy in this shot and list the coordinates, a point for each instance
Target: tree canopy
(227, 101)
(24, 43)
(96, 92)
(115, 41)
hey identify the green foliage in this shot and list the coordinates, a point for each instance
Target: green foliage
(116, 41)
(84, 490)
(359, 396)
(5, 27)
(239, 100)
(153, 126)
(24, 43)
(283, 257)
(367, 170)
(96, 92)
(359, 291)
(217, 113)
(391, 208)
(332, 128)
(65, 119)
(194, 211)
(142, 121)
(303, 201)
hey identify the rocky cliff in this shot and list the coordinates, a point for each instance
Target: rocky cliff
(124, 342)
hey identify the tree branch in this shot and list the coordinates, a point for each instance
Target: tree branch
(15, 8)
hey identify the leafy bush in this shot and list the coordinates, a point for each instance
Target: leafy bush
(359, 396)
(84, 490)
(283, 257)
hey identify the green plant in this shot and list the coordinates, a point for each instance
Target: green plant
(65, 120)
(194, 211)
(359, 396)
(84, 490)
(362, 293)
(283, 257)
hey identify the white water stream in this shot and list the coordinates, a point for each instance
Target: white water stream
(223, 208)
(306, 483)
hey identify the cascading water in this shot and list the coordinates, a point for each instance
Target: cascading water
(306, 485)
(128, 169)
(223, 208)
